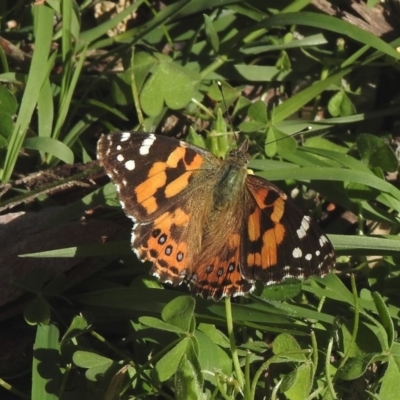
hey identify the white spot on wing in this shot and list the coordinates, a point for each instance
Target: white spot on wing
(304, 226)
(120, 157)
(130, 165)
(297, 253)
(323, 240)
(146, 144)
(119, 147)
(125, 136)
(308, 257)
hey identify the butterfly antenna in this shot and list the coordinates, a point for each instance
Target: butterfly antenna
(306, 129)
(227, 115)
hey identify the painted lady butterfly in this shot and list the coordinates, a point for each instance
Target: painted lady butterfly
(205, 221)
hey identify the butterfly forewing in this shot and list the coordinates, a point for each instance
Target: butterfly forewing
(281, 241)
(150, 171)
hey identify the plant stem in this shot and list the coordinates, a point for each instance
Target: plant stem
(235, 357)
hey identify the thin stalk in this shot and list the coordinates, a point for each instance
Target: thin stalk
(355, 327)
(231, 335)
(8, 387)
(327, 373)
(135, 93)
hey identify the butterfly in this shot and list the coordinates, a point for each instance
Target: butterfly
(207, 221)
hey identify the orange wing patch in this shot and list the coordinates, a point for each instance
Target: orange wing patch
(271, 239)
(269, 207)
(180, 154)
(159, 185)
(178, 185)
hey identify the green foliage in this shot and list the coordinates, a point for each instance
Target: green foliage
(312, 340)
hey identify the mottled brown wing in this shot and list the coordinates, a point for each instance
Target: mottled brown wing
(218, 274)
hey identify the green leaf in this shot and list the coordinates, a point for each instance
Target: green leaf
(78, 326)
(376, 153)
(37, 311)
(390, 381)
(38, 73)
(270, 145)
(365, 245)
(8, 103)
(97, 365)
(211, 34)
(385, 318)
(292, 105)
(251, 126)
(194, 138)
(6, 128)
(45, 110)
(312, 40)
(297, 384)
(229, 93)
(286, 345)
(258, 112)
(284, 291)
(285, 144)
(170, 84)
(355, 367)
(341, 105)
(215, 335)
(333, 24)
(211, 357)
(158, 324)
(367, 338)
(188, 377)
(334, 289)
(179, 312)
(169, 363)
(46, 364)
(261, 73)
(88, 359)
(50, 146)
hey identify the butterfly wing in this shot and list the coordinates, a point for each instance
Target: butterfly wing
(280, 241)
(161, 183)
(217, 272)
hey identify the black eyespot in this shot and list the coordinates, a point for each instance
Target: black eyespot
(179, 256)
(155, 232)
(209, 269)
(162, 239)
(153, 253)
(220, 272)
(231, 267)
(168, 250)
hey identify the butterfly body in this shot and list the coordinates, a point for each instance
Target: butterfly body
(205, 221)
